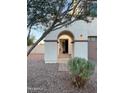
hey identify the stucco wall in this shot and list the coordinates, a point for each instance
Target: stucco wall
(92, 50)
(81, 49)
(78, 28)
(50, 52)
(92, 28)
(39, 49)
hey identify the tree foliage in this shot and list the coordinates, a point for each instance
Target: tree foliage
(55, 14)
(30, 41)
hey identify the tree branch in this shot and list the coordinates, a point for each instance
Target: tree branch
(64, 25)
(42, 37)
(29, 33)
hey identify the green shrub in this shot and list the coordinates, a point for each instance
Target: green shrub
(81, 70)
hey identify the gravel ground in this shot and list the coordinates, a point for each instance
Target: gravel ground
(45, 78)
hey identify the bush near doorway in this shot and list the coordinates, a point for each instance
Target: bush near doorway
(81, 70)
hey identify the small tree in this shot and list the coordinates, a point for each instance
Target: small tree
(55, 14)
(30, 41)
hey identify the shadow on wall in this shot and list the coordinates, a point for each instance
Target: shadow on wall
(92, 50)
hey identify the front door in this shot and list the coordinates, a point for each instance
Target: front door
(64, 44)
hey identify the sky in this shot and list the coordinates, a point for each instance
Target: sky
(37, 32)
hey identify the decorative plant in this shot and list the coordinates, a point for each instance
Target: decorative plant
(81, 70)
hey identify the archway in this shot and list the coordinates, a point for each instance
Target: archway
(65, 44)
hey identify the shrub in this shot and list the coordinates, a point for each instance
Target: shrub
(81, 70)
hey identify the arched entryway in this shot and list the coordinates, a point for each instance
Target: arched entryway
(65, 44)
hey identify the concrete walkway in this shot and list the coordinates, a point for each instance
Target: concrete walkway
(63, 67)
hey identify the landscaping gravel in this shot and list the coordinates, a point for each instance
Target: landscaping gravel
(45, 78)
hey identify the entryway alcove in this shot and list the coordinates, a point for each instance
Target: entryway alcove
(65, 45)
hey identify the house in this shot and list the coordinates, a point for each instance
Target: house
(76, 40)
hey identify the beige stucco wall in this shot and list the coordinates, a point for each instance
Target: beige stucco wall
(77, 28)
(80, 30)
(39, 49)
(50, 52)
